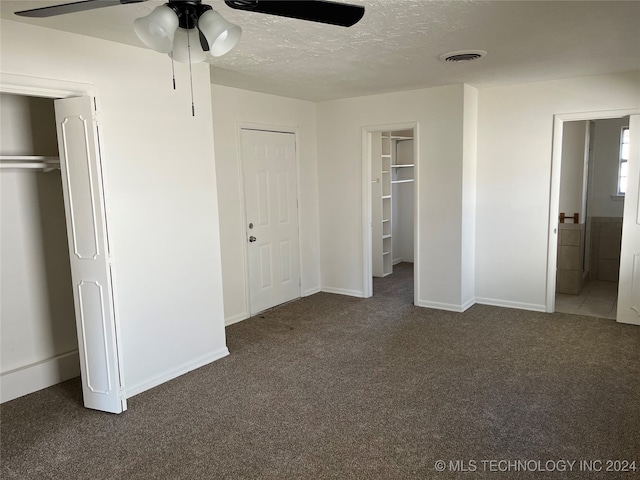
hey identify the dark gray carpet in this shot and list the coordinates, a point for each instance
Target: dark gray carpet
(339, 387)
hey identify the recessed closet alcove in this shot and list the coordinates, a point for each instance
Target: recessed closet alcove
(39, 346)
(392, 200)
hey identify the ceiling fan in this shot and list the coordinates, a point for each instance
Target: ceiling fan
(169, 27)
(323, 11)
(166, 29)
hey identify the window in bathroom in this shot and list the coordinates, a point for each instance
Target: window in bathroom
(624, 157)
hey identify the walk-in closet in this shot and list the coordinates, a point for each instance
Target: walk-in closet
(39, 346)
(392, 201)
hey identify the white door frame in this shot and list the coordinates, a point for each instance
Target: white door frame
(55, 89)
(367, 267)
(554, 203)
(245, 251)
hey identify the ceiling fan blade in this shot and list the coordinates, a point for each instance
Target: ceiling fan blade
(323, 11)
(72, 7)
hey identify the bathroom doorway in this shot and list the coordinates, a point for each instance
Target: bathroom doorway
(591, 197)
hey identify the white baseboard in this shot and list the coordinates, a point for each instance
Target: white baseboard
(343, 291)
(449, 307)
(235, 319)
(396, 261)
(175, 372)
(534, 307)
(34, 377)
(311, 291)
(468, 304)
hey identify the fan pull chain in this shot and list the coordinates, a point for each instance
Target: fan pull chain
(173, 70)
(193, 108)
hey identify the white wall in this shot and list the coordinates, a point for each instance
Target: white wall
(38, 343)
(469, 174)
(573, 168)
(513, 180)
(403, 201)
(231, 108)
(439, 113)
(160, 188)
(604, 173)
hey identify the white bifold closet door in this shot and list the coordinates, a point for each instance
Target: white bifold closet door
(89, 255)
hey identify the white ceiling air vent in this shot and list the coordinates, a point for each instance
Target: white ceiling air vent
(462, 55)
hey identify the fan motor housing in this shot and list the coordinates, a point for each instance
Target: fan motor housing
(188, 11)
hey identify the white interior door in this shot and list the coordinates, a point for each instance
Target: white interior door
(271, 202)
(90, 271)
(629, 284)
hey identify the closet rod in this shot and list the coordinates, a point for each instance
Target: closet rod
(29, 162)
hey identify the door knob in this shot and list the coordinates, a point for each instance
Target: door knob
(252, 239)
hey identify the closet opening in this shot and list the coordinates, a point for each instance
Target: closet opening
(52, 356)
(390, 246)
(39, 344)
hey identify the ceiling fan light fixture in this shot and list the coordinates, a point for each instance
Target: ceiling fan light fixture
(157, 29)
(181, 45)
(188, 29)
(221, 35)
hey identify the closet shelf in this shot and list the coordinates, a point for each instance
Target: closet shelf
(410, 180)
(33, 162)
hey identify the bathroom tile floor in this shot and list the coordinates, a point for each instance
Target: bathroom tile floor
(597, 299)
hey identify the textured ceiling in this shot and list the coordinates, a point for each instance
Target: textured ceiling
(397, 44)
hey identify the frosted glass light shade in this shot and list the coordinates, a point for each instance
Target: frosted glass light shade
(157, 29)
(180, 48)
(221, 35)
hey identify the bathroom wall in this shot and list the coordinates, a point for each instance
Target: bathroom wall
(603, 170)
(606, 238)
(604, 207)
(571, 244)
(573, 174)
